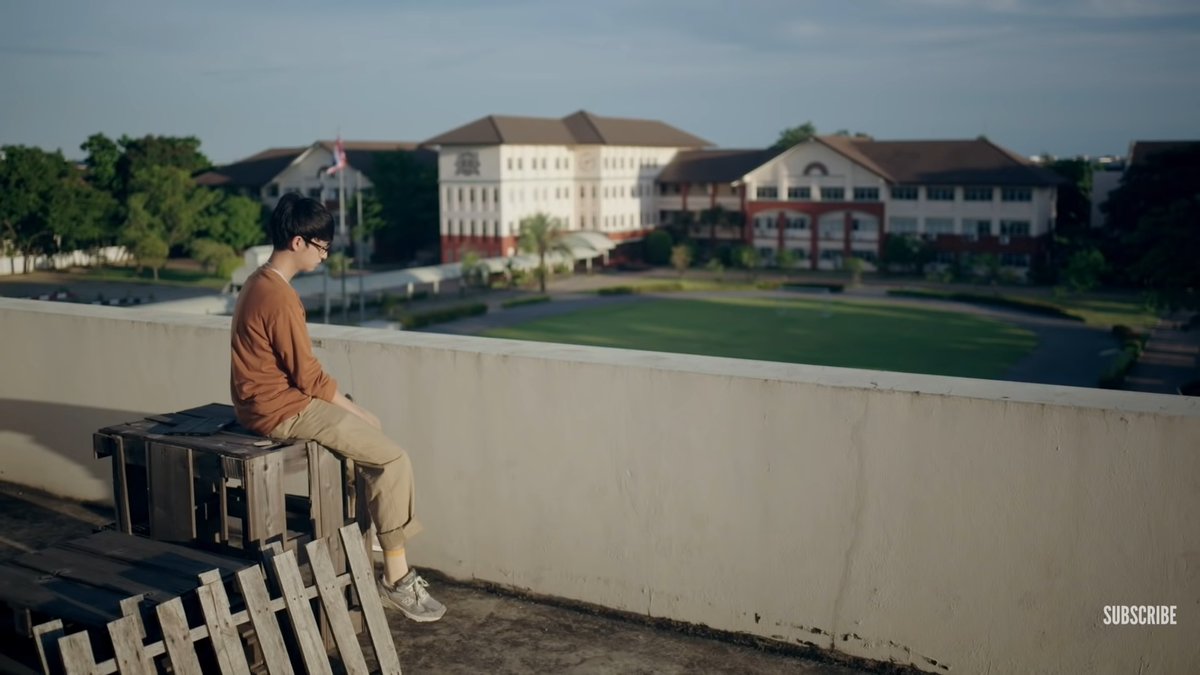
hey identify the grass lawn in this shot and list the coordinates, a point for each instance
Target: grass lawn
(829, 333)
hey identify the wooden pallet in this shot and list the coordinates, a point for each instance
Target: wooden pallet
(176, 648)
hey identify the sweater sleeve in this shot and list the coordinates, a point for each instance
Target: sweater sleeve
(293, 347)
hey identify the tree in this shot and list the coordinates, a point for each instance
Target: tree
(786, 260)
(854, 265)
(103, 156)
(658, 248)
(541, 234)
(29, 179)
(794, 136)
(1148, 227)
(747, 257)
(169, 203)
(216, 257)
(681, 258)
(714, 265)
(472, 270)
(235, 221)
(138, 154)
(80, 216)
(406, 187)
(1084, 268)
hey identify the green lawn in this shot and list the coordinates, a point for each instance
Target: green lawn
(830, 333)
(168, 276)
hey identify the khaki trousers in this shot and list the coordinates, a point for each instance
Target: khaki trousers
(386, 469)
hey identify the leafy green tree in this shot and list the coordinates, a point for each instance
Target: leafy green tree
(541, 234)
(147, 247)
(472, 270)
(794, 136)
(169, 203)
(81, 216)
(1169, 266)
(29, 179)
(786, 260)
(216, 257)
(1084, 269)
(748, 259)
(658, 247)
(176, 152)
(236, 221)
(681, 258)
(103, 156)
(406, 187)
(854, 266)
(714, 265)
(1148, 227)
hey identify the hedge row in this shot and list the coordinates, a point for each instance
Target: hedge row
(422, 319)
(1132, 344)
(655, 287)
(531, 300)
(805, 285)
(1007, 302)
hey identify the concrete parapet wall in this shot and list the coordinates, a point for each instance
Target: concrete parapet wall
(954, 524)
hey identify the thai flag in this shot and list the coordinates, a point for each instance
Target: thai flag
(339, 158)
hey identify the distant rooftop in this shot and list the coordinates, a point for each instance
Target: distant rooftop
(580, 128)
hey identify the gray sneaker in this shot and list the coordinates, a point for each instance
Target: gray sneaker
(409, 596)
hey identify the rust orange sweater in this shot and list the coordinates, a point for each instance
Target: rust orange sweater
(274, 374)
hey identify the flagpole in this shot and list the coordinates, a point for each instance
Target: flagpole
(359, 252)
(342, 238)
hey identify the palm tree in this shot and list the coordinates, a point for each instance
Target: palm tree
(541, 234)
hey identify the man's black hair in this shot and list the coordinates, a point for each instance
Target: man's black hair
(297, 216)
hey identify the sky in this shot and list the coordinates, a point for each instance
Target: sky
(1065, 77)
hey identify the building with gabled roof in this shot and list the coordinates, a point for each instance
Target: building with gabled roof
(591, 172)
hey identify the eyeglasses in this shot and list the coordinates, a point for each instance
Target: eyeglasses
(324, 248)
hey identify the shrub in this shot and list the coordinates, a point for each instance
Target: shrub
(615, 290)
(803, 285)
(441, 315)
(658, 248)
(1131, 349)
(531, 300)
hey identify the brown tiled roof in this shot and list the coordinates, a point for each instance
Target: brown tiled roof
(1140, 151)
(713, 166)
(253, 172)
(973, 162)
(581, 128)
(258, 170)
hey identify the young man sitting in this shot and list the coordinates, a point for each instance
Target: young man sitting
(280, 390)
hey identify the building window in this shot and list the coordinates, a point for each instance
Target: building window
(1014, 228)
(766, 192)
(905, 193)
(1014, 259)
(797, 223)
(936, 226)
(799, 193)
(977, 194)
(979, 228)
(273, 190)
(1018, 194)
(496, 195)
(938, 193)
(314, 193)
(519, 164)
(866, 194)
(510, 163)
(833, 194)
(816, 169)
(902, 225)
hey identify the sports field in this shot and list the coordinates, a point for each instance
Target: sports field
(819, 332)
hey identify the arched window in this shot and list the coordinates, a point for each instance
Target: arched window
(816, 169)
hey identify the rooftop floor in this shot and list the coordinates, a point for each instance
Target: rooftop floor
(483, 630)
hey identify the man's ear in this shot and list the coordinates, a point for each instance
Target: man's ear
(296, 243)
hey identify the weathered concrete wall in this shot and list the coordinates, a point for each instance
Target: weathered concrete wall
(982, 525)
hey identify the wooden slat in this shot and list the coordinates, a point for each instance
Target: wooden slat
(183, 561)
(266, 515)
(177, 637)
(25, 588)
(172, 492)
(128, 649)
(333, 599)
(363, 576)
(46, 636)
(121, 486)
(132, 606)
(222, 631)
(262, 617)
(287, 575)
(76, 650)
(124, 579)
